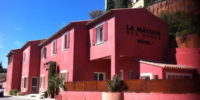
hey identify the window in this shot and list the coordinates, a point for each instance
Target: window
(131, 75)
(44, 51)
(25, 82)
(99, 34)
(65, 41)
(54, 47)
(24, 56)
(146, 76)
(170, 75)
(98, 76)
(63, 75)
(155, 77)
(34, 85)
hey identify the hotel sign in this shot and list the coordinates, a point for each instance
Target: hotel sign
(143, 32)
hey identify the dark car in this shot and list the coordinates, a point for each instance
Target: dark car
(1, 91)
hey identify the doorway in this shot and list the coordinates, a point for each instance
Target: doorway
(34, 87)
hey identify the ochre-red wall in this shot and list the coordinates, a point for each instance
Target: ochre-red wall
(154, 70)
(31, 65)
(189, 57)
(13, 77)
(129, 96)
(131, 33)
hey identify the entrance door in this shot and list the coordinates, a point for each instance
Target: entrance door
(34, 87)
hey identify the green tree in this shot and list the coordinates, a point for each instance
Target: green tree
(181, 24)
(110, 5)
(96, 13)
(122, 3)
(1, 68)
(54, 81)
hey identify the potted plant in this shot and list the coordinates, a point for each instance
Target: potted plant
(115, 86)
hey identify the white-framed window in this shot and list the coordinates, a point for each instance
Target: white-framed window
(24, 83)
(146, 76)
(44, 53)
(63, 75)
(121, 74)
(42, 81)
(53, 47)
(65, 41)
(99, 34)
(98, 76)
(171, 75)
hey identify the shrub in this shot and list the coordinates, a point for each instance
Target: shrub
(116, 84)
(180, 23)
(14, 92)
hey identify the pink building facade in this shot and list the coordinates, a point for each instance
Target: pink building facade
(30, 67)
(64, 48)
(103, 50)
(13, 77)
(126, 39)
(114, 43)
(189, 57)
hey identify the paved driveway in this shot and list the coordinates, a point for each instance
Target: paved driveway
(20, 98)
(15, 98)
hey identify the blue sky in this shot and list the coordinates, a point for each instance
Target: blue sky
(24, 20)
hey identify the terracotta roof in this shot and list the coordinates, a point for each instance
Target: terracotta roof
(162, 65)
(13, 51)
(110, 13)
(61, 31)
(32, 42)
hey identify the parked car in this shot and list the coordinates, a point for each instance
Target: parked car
(1, 91)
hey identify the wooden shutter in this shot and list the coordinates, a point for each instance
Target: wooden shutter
(68, 39)
(45, 51)
(105, 31)
(55, 46)
(94, 37)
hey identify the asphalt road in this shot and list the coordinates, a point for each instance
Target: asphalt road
(16, 98)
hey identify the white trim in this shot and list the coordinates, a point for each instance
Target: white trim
(178, 74)
(66, 74)
(147, 74)
(42, 75)
(24, 76)
(97, 28)
(41, 84)
(64, 71)
(52, 54)
(104, 75)
(24, 88)
(100, 24)
(42, 51)
(63, 40)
